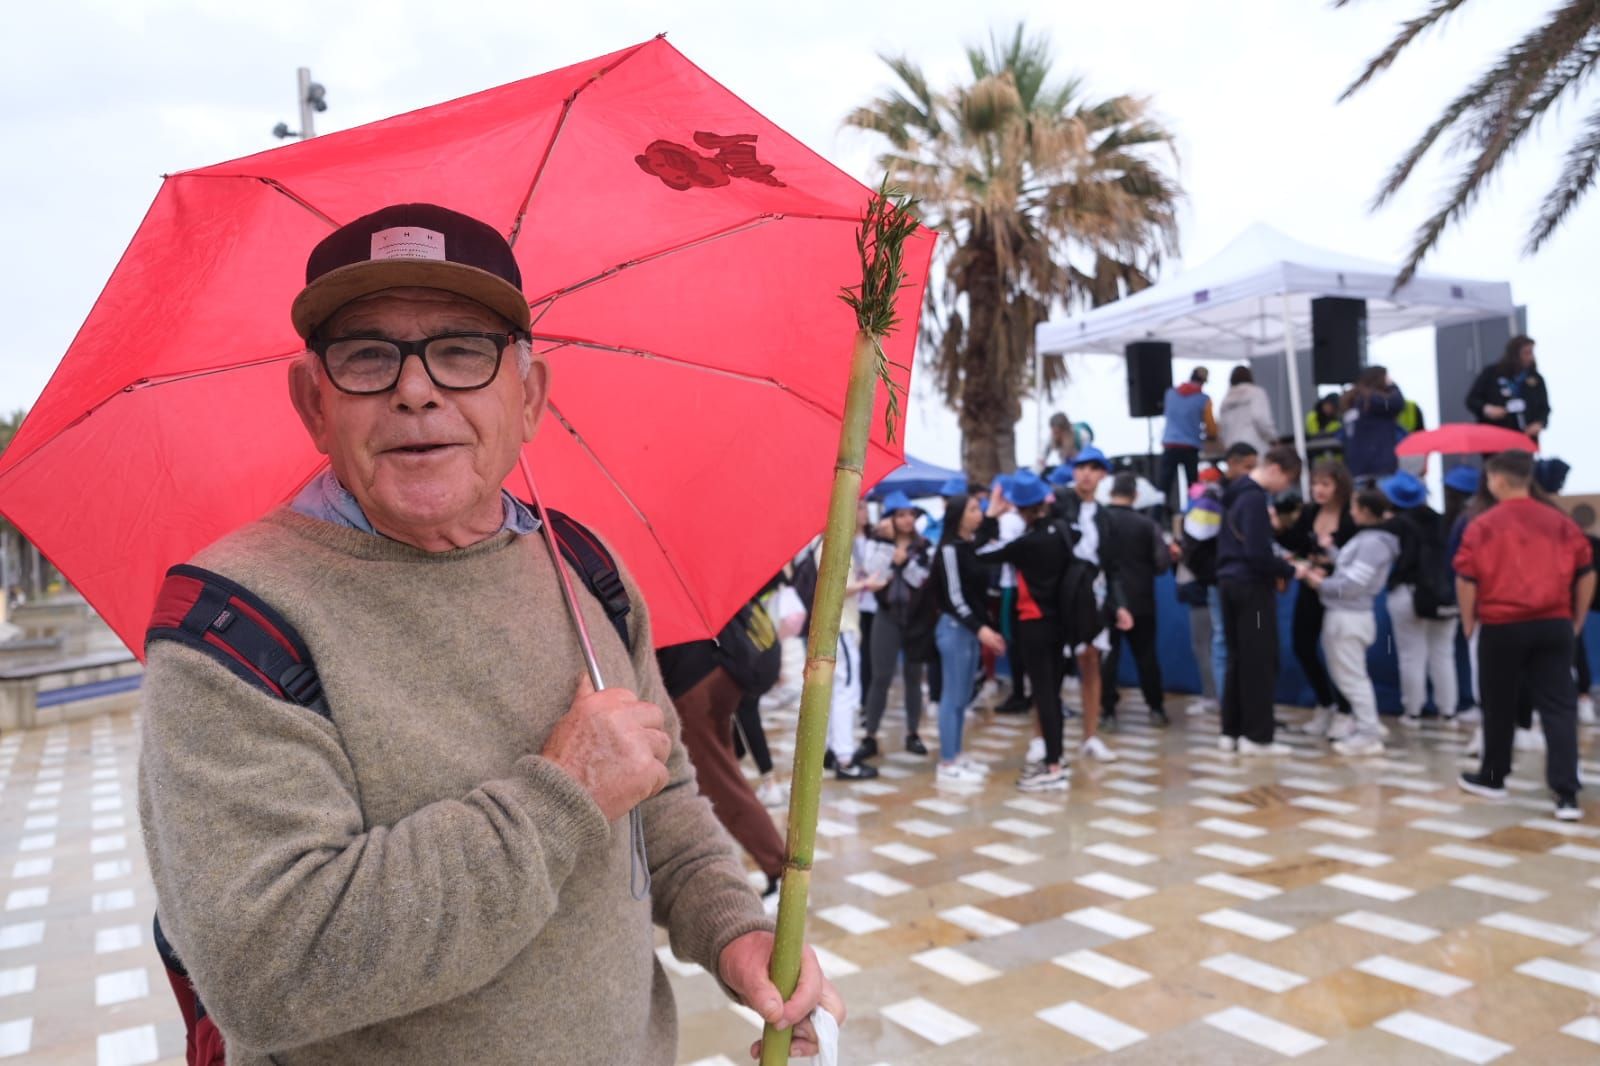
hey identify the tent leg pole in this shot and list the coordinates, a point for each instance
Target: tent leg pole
(1297, 412)
(1038, 403)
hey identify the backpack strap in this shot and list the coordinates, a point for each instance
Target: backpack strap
(212, 614)
(589, 557)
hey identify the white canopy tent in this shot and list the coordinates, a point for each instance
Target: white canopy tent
(1254, 298)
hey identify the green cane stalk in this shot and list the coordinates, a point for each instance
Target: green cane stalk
(886, 225)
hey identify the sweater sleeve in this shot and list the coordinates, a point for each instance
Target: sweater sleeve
(1482, 392)
(698, 888)
(1261, 410)
(274, 891)
(1364, 574)
(1210, 421)
(949, 563)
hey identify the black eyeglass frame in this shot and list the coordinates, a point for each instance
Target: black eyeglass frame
(418, 348)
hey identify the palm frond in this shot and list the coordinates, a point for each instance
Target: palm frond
(1577, 178)
(1409, 32)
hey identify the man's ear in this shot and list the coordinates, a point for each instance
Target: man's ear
(535, 391)
(305, 393)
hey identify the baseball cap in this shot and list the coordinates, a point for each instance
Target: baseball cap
(406, 245)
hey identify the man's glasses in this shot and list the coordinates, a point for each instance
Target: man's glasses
(367, 365)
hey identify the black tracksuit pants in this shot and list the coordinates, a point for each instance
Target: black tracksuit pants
(1142, 640)
(1250, 620)
(1536, 658)
(1040, 641)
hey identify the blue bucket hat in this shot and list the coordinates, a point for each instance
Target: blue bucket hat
(1462, 479)
(898, 501)
(1091, 454)
(1404, 490)
(1061, 475)
(1024, 488)
(956, 486)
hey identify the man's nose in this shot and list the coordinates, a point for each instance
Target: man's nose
(415, 389)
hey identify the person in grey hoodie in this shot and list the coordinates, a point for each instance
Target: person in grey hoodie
(1350, 626)
(1246, 413)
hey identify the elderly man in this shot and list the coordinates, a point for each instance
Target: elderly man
(439, 869)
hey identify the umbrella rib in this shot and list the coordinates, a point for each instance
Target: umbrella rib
(276, 186)
(550, 145)
(638, 513)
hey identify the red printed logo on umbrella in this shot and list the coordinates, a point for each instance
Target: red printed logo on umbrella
(682, 168)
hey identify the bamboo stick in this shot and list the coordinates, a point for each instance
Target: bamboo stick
(885, 227)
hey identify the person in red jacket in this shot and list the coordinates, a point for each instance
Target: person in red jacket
(1526, 572)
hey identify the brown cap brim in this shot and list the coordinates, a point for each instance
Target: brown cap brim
(318, 301)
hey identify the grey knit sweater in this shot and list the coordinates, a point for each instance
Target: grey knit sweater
(411, 882)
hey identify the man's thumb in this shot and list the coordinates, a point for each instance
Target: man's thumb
(585, 685)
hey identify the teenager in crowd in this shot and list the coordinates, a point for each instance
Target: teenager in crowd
(1092, 536)
(1512, 392)
(1316, 537)
(1139, 552)
(1350, 625)
(1197, 587)
(1040, 555)
(1370, 431)
(961, 584)
(1422, 601)
(898, 566)
(1189, 425)
(1526, 573)
(1249, 572)
(1245, 416)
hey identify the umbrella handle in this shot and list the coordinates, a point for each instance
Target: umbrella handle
(639, 868)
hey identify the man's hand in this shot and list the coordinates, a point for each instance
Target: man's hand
(992, 640)
(1493, 410)
(613, 745)
(1124, 619)
(743, 967)
(1534, 429)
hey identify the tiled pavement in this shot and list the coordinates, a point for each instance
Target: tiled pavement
(1178, 906)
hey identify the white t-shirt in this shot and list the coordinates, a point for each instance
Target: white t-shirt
(1011, 527)
(1088, 546)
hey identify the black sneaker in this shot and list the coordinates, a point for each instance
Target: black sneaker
(915, 745)
(1567, 809)
(1016, 703)
(856, 771)
(1159, 719)
(1482, 785)
(828, 761)
(867, 749)
(1108, 722)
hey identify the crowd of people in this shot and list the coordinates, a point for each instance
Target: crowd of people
(1048, 576)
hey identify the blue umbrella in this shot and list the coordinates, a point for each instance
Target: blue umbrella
(916, 478)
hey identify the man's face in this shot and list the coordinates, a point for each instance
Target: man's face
(1086, 478)
(422, 461)
(1242, 466)
(1273, 478)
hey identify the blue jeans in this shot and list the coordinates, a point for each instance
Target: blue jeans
(958, 652)
(1219, 639)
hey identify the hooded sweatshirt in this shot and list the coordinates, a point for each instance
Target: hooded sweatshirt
(1361, 571)
(1247, 416)
(1188, 413)
(1245, 547)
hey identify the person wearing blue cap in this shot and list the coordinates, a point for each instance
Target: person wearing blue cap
(1422, 601)
(1041, 556)
(903, 629)
(1091, 528)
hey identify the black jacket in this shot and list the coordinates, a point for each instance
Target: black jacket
(962, 582)
(1137, 553)
(1491, 388)
(1040, 556)
(1415, 526)
(1244, 549)
(1069, 507)
(1301, 538)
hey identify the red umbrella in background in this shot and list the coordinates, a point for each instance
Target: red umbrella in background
(683, 257)
(1465, 438)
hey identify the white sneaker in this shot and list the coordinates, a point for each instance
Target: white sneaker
(1250, 747)
(1412, 721)
(1475, 745)
(1201, 706)
(1343, 728)
(1528, 740)
(1359, 746)
(1035, 750)
(1096, 749)
(957, 774)
(967, 761)
(1319, 722)
(1586, 710)
(1228, 744)
(1046, 781)
(1470, 715)
(772, 794)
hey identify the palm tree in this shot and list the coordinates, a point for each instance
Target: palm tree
(1043, 199)
(1496, 111)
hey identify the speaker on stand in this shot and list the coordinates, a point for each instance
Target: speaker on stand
(1149, 377)
(1338, 340)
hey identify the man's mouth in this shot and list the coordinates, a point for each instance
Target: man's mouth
(419, 449)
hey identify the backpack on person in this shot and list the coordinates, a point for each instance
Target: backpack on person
(1434, 594)
(751, 652)
(238, 629)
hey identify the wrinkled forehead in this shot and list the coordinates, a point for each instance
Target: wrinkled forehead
(421, 310)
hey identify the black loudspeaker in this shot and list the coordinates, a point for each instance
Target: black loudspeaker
(1338, 339)
(1149, 377)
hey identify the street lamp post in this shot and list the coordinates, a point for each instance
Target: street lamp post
(313, 98)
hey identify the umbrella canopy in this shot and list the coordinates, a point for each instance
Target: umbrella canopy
(1465, 438)
(916, 478)
(683, 257)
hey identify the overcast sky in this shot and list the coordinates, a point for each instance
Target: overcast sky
(104, 97)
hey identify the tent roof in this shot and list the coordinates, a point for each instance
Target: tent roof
(1230, 306)
(917, 478)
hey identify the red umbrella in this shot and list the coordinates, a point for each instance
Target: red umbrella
(1465, 438)
(683, 257)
